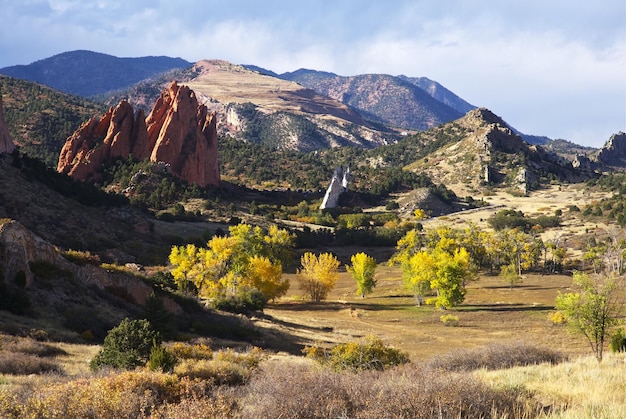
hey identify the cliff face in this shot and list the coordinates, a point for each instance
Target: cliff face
(6, 143)
(178, 131)
(614, 151)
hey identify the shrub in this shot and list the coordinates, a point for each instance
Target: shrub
(244, 301)
(496, 356)
(17, 363)
(227, 368)
(161, 359)
(191, 351)
(557, 317)
(409, 391)
(81, 258)
(368, 354)
(127, 345)
(618, 341)
(449, 320)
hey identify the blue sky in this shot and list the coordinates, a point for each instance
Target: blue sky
(548, 67)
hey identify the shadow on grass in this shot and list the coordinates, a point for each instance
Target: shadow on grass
(502, 307)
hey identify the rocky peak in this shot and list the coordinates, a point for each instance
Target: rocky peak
(614, 151)
(6, 143)
(179, 131)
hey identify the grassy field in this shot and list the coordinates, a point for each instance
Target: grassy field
(492, 312)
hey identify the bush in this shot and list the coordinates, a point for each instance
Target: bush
(161, 359)
(368, 354)
(449, 320)
(243, 302)
(409, 391)
(494, 357)
(191, 351)
(227, 368)
(618, 341)
(127, 345)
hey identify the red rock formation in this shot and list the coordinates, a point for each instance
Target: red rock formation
(6, 143)
(182, 133)
(178, 131)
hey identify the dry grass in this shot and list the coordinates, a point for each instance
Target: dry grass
(491, 313)
(582, 388)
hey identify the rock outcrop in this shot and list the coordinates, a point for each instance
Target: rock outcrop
(614, 151)
(179, 131)
(19, 248)
(6, 143)
(338, 185)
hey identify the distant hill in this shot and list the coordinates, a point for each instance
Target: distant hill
(395, 101)
(40, 118)
(437, 91)
(88, 73)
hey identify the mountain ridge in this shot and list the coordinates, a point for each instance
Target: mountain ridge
(88, 73)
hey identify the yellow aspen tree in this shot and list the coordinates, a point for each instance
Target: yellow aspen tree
(266, 277)
(318, 275)
(362, 270)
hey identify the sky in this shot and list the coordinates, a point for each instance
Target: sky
(555, 68)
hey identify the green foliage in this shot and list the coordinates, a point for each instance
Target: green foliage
(368, 354)
(362, 270)
(594, 310)
(127, 345)
(244, 301)
(160, 319)
(161, 359)
(618, 341)
(82, 192)
(42, 117)
(511, 219)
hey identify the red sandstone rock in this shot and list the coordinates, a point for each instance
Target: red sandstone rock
(6, 143)
(178, 131)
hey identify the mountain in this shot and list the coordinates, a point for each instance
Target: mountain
(383, 98)
(88, 73)
(262, 109)
(437, 91)
(487, 152)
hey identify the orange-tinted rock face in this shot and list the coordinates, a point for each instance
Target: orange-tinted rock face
(178, 131)
(6, 143)
(184, 135)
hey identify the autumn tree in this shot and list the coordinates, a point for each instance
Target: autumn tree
(594, 310)
(362, 271)
(183, 259)
(318, 275)
(418, 272)
(442, 266)
(452, 273)
(248, 258)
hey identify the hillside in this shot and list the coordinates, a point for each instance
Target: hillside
(380, 97)
(266, 110)
(88, 73)
(40, 118)
(488, 153)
